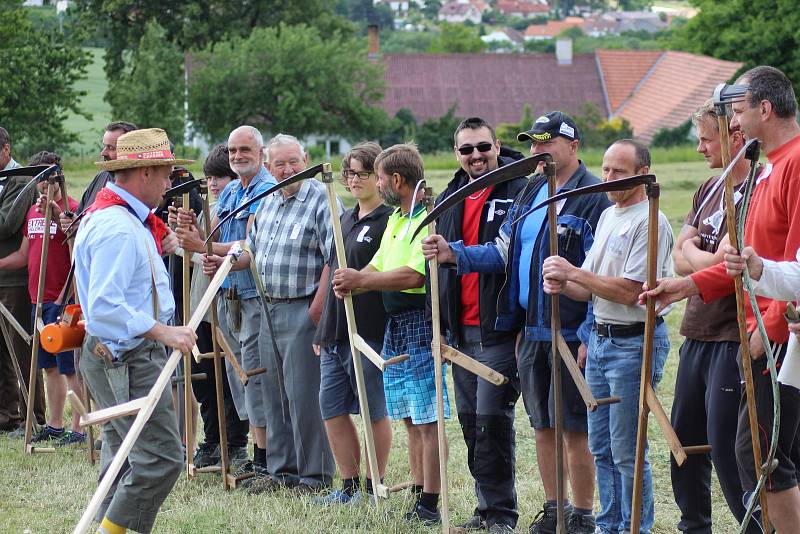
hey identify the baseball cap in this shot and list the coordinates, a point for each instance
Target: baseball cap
(549, 126)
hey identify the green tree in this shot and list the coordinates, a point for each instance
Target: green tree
(38, 69)
(150, 92)
(678, 136)
(403, 128)
(287, 78)
(756, 32)
(507, 131)
(456, 39)
(403, 42)
(197, 23)
(436, 135)
(596, 131)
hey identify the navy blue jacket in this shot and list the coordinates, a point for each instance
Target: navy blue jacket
(577, 220)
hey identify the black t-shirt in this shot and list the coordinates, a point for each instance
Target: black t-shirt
(362, 238)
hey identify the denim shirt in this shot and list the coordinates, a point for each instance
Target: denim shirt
(233, 196)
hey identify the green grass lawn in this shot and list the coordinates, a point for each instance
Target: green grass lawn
(90, 131)
(47, 493)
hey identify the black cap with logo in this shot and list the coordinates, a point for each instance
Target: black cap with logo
(549, 126)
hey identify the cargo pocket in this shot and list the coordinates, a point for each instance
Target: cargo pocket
(117, 376)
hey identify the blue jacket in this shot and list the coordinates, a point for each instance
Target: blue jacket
(577, 220)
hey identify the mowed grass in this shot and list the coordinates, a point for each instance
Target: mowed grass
(48, 492)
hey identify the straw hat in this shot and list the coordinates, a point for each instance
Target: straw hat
(149, 147)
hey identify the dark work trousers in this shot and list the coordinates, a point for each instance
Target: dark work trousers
(12, 404)
(486, 414)
(707, 392)
(206, 393)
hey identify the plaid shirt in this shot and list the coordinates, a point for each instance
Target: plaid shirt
(291, 240)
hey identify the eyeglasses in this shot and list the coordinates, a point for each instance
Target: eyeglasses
(210, 179)
(353, 175)
(466, 150)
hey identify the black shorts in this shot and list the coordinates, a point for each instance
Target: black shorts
(787, 453)
(534, 363)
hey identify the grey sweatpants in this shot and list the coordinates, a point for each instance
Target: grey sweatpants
(156, 459)
(298, 448)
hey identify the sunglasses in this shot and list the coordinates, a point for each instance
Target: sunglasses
(466, 150)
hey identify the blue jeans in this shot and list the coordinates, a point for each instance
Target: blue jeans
(613, 368)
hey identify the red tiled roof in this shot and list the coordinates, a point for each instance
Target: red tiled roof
(552, 28)
(522, 6)
(493, 86)
(677, 85)
(623, 70)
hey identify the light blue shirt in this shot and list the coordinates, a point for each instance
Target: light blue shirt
(531, 227)
(11, 165)
(113, 275)
(233, 196)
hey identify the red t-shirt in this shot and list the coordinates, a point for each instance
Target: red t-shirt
(57, 254)
(473, 209)
(772, 228)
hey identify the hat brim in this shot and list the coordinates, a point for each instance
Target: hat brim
(120, 164)
(524, 136)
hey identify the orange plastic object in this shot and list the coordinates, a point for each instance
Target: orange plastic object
(66, 334)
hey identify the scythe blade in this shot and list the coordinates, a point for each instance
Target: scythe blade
(505, 173)
(622, 184)
(304, 175)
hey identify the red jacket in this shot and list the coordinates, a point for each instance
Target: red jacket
(772, 228)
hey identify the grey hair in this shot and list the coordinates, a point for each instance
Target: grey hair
(253, 131)
(284, 139)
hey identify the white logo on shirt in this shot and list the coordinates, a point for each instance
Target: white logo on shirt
(362, 235)
(36, 227)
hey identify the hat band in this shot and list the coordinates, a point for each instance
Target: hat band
(158, 154)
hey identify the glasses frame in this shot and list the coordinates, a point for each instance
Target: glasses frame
(361, 176)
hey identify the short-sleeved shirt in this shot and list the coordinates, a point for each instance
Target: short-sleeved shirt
(233, 196)
(399, 250)
(291, 240)
(362, 237)
(715, 321)
(58, 260)
(620, 250)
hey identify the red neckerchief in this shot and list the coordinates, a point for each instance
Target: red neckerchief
(106, 197)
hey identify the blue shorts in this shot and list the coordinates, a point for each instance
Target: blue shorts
(338, 392)
(410, 386)
(64, 360)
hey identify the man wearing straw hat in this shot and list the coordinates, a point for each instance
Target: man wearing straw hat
(125, 293)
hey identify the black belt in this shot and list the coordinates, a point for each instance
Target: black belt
(274, 300)
(622, 330)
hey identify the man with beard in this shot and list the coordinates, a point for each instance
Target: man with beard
(522, 305)
(469, 311)
(238, 305)
(398, 271)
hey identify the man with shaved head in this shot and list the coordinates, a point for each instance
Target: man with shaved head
(238, 304)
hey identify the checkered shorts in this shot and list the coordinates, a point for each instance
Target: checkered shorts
(410, 386)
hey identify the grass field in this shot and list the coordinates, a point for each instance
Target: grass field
(90, 131)
(47, 493)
